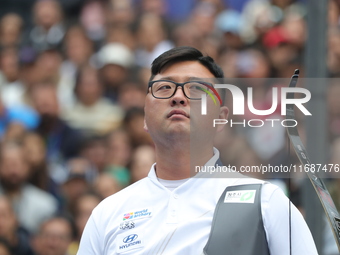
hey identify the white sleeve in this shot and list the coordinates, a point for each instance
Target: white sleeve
(90, 243)
(275, 214)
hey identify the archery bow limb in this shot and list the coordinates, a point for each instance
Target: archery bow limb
(319, 186)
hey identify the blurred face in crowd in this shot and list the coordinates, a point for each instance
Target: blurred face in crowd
(89, 89)
(10, 29)
(47, 13)
(133, 124)
(120, 13)
(77, 185)
(84, 207)
(113, 75)
(34, 149)
(48, 65)
(45, 100)
(142, 159)
(95, 153)
(105, 185)
(54, 238)
(118, 150)
(8, 223)
(9, 64)
(13, 167)
(150, 31)
(187, 34)
(78, 46)
(203, 17)
(131, 95)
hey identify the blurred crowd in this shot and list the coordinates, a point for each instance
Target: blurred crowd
(73, 78)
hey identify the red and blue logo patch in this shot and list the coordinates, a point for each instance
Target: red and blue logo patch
(128, 216)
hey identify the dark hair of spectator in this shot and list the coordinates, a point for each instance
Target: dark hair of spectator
(184, 53)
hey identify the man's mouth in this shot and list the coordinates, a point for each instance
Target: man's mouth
(178, 112)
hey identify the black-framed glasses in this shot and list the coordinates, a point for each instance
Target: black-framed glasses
(164, 89)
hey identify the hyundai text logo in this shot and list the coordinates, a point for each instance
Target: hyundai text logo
(130, 238)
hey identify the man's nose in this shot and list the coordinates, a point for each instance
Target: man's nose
(179, 97)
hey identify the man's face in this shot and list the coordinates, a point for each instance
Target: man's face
(54, 238)
(13, 168)
(173, 117)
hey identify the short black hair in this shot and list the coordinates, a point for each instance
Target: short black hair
(184, 53)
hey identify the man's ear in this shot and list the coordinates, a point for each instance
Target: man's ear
(224, 112)
(146, 126)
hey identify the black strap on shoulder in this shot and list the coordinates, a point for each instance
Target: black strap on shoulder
(237, 227)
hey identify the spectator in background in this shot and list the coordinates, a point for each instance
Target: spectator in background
(229, 22)
(187, 34)
(48, 65)
(54, 237)
(120, 13)
(131, 95)
(142, 159)
(121, 34)
(29, 73)
(78, 182)
(11, 26)
(78, 49)
(11, 87)
(115, 61)
(31, 204)
(92, 19)
(94, 150)
(39, 169)
(62, 142)
(83, 209)
(106, 185)
(118, 154)
(152, 39)
(134, 123)
(92, 114)
(16, 237)
(48, 30)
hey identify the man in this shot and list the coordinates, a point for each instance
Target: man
(168, 212)
(54, 237)
(11, 231)
(31, 204)
(62, 141)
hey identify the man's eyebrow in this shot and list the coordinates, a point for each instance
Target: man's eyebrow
(191, 78)
(170, 78)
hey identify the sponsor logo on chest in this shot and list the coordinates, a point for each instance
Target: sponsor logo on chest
(136, 215)
(240, 196)
(128, 242)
